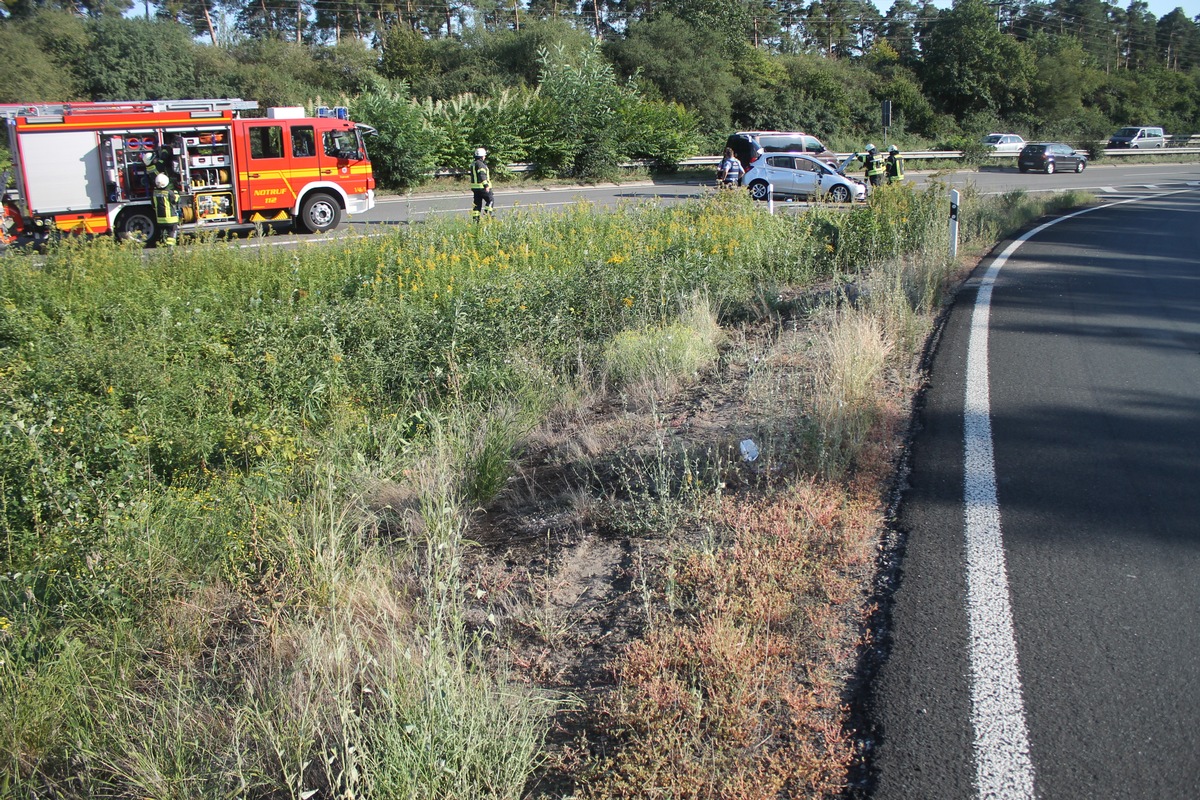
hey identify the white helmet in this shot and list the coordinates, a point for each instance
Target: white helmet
(480, 152)
(870, 148)
(147, 158)
(161, 180)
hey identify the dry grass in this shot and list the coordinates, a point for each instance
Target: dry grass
(735, 690)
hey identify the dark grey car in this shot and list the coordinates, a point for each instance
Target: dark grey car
(1050, 157)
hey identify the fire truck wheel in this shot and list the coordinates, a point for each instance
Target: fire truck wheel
(136, 225)
(319, 213)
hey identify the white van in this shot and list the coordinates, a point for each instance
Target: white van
(1138, 138)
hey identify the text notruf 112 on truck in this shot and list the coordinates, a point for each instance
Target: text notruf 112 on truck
(89, 168)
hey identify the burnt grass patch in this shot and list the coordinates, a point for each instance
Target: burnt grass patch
(704, 644)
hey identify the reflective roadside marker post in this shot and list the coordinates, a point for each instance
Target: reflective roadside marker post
(770, 198)
(954, 197)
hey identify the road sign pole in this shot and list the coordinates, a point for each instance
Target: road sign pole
(954, 198)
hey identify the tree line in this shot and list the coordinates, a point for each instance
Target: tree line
(616, 79)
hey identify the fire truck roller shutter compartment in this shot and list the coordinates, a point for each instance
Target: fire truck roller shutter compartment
(62, 171)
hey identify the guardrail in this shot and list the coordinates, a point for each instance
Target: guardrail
(1160, 151)
(935, 155)
(911, 155)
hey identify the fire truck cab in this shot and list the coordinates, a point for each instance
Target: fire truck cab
(90, 167)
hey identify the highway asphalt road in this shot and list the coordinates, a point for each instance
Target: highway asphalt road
(391, 210)
(1101, 180)
(1043, 635)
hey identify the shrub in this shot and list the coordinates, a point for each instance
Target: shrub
(404, 151)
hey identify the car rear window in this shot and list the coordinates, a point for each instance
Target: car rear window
(1035, 148)
(796, 143)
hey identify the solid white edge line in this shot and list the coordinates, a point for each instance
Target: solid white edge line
(1003, 766)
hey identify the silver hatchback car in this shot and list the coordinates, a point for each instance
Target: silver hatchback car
(800, 175)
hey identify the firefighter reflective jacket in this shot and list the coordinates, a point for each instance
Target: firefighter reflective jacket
(873, 164)
(166, 206)
(480, 178)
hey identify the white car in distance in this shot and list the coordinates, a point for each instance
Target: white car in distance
(1004, 144)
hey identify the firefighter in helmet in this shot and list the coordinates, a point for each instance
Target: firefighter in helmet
(894, 165)
(873, 165)
(166, 209)
(158, 161)
(481, 185)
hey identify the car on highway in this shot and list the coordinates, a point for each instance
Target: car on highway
(798, 174)
(1008, 144)
(1138, 138)
(749, 145)
(1050, 157)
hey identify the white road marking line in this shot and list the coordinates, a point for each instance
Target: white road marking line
(1108, 189)
(1003, 767)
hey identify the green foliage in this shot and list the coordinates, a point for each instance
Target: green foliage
(515, 53)
(814, 95)
(42, 79)
(404, 151)
(1064, 76)
(582, 100)
(498, 122)
(277, 73)
(681, 62)
(664, 132)
(138, 58)
(944, 73)
(405, 54)
(664, 354)
(911, 111)
(348, 68)
(969, 65)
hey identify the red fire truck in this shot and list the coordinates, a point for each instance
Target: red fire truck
(89, 167)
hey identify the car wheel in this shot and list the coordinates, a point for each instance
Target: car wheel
(1080, 165)
(839, 194)
(319, 213)
(760, 190)
(1049, 167)
(1022, 170)
(136, 225)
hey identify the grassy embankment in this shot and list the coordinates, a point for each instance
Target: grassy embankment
(237, 491)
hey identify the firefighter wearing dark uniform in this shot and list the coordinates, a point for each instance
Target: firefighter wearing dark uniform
(894, 165)
(158, 162)
(166, 209)
(873, 166)
(481, 185)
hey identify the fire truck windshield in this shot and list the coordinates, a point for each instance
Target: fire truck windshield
(345, 145)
